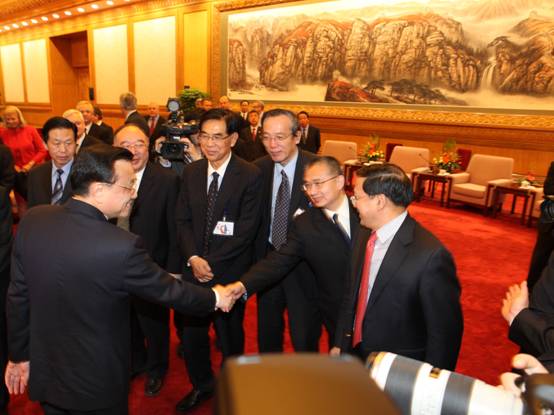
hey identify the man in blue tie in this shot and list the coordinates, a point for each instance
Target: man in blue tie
(48, 182)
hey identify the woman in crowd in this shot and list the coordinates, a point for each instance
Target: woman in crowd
(26, 146)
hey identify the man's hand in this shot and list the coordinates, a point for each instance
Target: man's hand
(236, 290)
(192, 150)
(335, 351)
(517, 298)
(201, 269)
(526, 362)
(225, 301)
(17, 377)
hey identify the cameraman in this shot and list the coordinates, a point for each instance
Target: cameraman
(191, 153)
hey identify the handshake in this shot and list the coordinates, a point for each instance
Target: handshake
(228, 295)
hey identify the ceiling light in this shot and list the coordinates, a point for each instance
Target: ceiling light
(7, 27)
(109, 3)
(95, 6)
(67, 13)
(15, 26)
(56, 16)
(80, 10)
(24, 24)
(34, 21)
(44, 18)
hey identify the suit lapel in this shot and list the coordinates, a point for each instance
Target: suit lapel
(226, 190)
(47, 181)
(394, 258)
(296, 193)
(145, 188)
(354, 221)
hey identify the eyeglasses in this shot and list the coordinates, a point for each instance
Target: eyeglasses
(354, 199)
(135, 146)
(62, 144)
(317, 185)
(267, 137)
(131, 189)
(218, 138)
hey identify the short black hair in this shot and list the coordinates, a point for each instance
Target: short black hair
(55, 123)
(303, 112)
(389, 180)
(251, 111)
(280, 111)
(95, 164)
(97, 111)
(332, 164)
(232, 120)
(243, 101)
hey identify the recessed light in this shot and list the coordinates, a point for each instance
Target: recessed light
(15, 26)
(67, 13)
(80, 10)
(7, 27)
(34, 21)
(56, 16)
(94, 6)
(109, 3)
(24, 24)
(44, 18)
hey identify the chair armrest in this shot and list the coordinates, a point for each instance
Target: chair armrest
(457, 178)
(499, 182)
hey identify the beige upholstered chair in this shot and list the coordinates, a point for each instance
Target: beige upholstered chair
(410, 159)
(341, 150)
(472, 186)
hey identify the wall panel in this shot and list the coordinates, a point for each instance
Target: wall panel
(196, 68)
(155, 60)
(111, 63)
(36, 71)
(12, 72)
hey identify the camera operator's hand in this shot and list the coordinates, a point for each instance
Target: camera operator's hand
(192, 150)
(201, 269)
(516, 299)
(526, 362)
(158, 144)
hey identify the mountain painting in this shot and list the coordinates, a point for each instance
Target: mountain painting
(477, 53)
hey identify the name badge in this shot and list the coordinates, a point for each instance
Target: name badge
(224, 228)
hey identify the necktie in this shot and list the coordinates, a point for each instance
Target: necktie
(363, 291)
(152, 124)
(304, 138)
(341, 228)
(212, 197)
(123, 222)
(281, 213)
(253, 133)
(58, 188)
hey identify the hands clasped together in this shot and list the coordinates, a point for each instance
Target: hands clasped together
(228, 295)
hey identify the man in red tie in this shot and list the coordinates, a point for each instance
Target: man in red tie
(250, 146)
(403, 296)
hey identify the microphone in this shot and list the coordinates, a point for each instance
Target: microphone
(424, 159)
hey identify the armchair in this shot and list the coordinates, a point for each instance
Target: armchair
(410, 159)
(341, 150)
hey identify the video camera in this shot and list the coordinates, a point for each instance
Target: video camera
(175, 129)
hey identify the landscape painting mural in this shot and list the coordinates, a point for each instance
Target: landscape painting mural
(478, 53)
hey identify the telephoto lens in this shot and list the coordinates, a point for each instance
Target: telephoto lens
(419, 388)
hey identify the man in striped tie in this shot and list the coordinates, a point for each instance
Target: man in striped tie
(403, 295)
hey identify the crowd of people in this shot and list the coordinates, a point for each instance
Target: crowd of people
(112, 235)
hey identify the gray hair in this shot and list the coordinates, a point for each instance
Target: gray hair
(128, 101)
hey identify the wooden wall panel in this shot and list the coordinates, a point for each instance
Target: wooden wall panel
(36, 71)
(196, 50)
(12, 71)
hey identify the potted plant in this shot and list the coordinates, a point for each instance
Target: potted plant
(371, 150)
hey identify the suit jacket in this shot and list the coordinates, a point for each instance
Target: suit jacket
(157, 128)
(153, 216)
(103, 132)
(313, 140)
(7, 171)
(238, 200)
(68, 303)
(89, 141)
(248, 148)
(137, 119)
(314, 238)
(5, 244)
(414, 307)
(39, 186)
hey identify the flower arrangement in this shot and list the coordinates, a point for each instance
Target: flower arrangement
(526, 180)
(449, 159)
(371, 150)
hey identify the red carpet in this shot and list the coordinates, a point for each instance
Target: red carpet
(490, 254)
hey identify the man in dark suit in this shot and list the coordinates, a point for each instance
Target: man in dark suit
(331, 219)
(105, 131)
(152, 218)
(155, 122)
(249, 145)
(49, 182)
(217, 219)
(7, 178)
(310, 138)
(83, 140)
(403, 295)
(128, 105)
(71, 279)
(283, 199)
(91, 128)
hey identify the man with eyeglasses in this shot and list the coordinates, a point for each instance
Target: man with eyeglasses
(153, 218)
(72, 276)
(321, 236)
(283, 199)
(217, 217)
(403, 295)
(49, 182)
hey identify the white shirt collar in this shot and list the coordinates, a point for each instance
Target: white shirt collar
(344, 214)
(388, 230)
(221, 169)
(138, 175)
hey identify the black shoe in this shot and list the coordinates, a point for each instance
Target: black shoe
(193, 399)
(153, 386)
